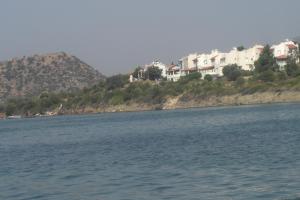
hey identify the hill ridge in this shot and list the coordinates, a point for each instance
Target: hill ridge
(53, 72)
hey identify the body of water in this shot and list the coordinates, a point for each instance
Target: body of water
(248, 152)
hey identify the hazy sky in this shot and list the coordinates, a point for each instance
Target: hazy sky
(115, 36)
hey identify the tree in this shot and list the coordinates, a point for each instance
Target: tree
(116, 81)
(292, 69)
(208, 77)
(153, 73)
(240, 48)
(232, 72)
(266, 61)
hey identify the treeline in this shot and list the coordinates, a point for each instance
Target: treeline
(117, 90)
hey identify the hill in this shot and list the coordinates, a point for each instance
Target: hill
(53, 72)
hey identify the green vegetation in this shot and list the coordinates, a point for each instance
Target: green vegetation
(116, 90)
(266, 61)
(153, 73)
(208, 77)
(232, 72)
(240, 48)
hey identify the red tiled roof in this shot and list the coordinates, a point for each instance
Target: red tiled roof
(190, 69)
(173, 67)
(281, 57)
(291, 46)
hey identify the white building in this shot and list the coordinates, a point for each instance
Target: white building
(244, 58)
(174, 73)
(283, 51)
(213, 63)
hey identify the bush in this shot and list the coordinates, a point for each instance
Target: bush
(282, 75)
(267, 76)
(247, 73)
(116, 81)
(232, 72)
(240, 81)
(208, 77)
(117, 98)
(292, 69)
(190, 77)
(10, 109)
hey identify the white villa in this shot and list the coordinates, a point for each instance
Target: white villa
(283, 51)
(214, 62)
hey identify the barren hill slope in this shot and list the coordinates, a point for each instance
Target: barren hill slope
(51, 72)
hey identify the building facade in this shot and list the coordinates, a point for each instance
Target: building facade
(285, 50)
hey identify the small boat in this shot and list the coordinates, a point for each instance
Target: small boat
(14, 117)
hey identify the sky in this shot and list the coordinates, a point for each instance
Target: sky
(115, 36)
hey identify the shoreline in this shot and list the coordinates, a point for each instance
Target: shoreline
(174, 103)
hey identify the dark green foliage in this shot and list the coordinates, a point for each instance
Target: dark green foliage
(153, 73)
(282, 75)
(247, 73)
(190, 77)
(136, 72)
(292, 69)
(116, 81)
(240, 48)
(10, 108)
(2, 108)
(232, 72)
(208, 77)
(240, 81)
(266, 61)
(267, 76)
(117, 97)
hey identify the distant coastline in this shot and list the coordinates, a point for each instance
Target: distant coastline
(211, 101)
(173, 103)
(271, 81)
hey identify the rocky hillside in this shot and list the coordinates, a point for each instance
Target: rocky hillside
(51, 72)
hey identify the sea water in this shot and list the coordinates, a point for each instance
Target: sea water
(247, 152)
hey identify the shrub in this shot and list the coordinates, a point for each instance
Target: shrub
(292, 69)
(190, 77)
(282, 75)
(116, 81)
(117, 98)
(208, 77)
(10, 109)
(232, 72)
(267, 76)
(240, 81)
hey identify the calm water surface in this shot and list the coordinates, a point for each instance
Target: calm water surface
(249, 153)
